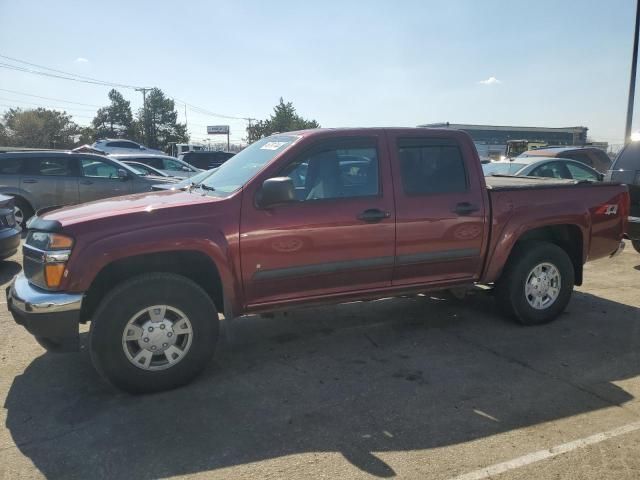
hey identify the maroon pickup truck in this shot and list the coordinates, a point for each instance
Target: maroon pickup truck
(310, 217)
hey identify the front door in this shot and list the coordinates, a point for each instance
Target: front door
(439, 208)
(100, 180)
(337, 237)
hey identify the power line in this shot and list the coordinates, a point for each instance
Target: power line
(89, 79)
(47, 106)
(48, 98)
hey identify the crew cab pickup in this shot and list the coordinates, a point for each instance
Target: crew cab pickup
(311, 217)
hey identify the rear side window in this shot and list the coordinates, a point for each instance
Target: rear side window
(431, 167)
(52, 167)
(628, 158)
(122, 144)
(10, 166)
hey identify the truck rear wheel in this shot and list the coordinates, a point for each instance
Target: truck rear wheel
(537, 283)
(154, 332)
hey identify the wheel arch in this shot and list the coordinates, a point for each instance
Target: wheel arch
(192, 264)
(569, 237)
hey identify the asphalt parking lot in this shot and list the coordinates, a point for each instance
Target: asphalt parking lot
(421, 387)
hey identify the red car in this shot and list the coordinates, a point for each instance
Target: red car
(310, 217)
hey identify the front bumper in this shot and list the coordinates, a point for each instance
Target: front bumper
(52, 317)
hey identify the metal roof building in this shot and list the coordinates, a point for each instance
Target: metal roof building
(498, 135)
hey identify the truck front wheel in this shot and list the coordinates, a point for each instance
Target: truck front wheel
(537, 283)
(154, 332)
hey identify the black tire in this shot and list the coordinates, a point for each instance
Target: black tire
(25, 208)
(636, 245)
(123, 302)
(510, 289)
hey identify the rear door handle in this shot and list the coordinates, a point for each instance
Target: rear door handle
(86, 182)
(465, 208)
(372, 215)
(29, 180)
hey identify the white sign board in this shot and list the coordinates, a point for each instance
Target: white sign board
(218, 129)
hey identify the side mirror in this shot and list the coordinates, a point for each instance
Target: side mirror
(122, 174)
(274, 191)
(601, 177)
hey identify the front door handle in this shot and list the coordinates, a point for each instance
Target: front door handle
(29, 180)
(86, 182)
(465, 208)
(372, 215)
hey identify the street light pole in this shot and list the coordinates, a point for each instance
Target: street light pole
(632, 82)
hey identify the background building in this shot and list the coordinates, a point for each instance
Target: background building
(491, 140)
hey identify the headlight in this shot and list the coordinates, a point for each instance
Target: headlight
(45, 258)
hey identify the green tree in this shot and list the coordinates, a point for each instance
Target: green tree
(39, 128)
(159, 121)
(114, 120)
(284, 119)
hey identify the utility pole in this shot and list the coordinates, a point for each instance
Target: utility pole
(145, 124)
(632, 82)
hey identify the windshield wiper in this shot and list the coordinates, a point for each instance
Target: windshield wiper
(202, 186)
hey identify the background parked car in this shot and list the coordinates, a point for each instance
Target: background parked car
(9, 228)
(115, 145)
(44, 179)
(149, 170)
(164, 163)
(205, 159)
(626, 169)
(544, 167)
(591, 156)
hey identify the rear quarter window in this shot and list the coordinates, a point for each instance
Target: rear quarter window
(10, 166)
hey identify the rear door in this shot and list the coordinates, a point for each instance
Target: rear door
(100, 180)
(440, 208)
(337, 237)
(52, 180)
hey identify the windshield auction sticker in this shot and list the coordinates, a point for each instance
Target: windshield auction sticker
(272, 145)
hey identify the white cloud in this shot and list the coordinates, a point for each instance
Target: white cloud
(490, 81)
(81, 60)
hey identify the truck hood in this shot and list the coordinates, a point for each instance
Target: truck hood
(128, 204)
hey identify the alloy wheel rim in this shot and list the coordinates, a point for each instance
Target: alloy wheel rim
(18, 214)
(542, 287)
(157, 337)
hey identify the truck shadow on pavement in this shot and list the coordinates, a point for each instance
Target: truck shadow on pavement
(391, 375)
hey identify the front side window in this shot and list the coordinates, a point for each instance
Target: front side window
(580, 157)
(431, 167)
(175, 166)
(551, 170)
(581, 173)
(98, 169)
(340, 172)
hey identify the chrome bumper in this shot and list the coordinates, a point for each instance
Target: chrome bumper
(52, 317)
(29, 299)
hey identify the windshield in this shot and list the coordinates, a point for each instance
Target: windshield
(501, 168)
(240, 168)
(628, 158)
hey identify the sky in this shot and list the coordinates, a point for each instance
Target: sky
(344, 63)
